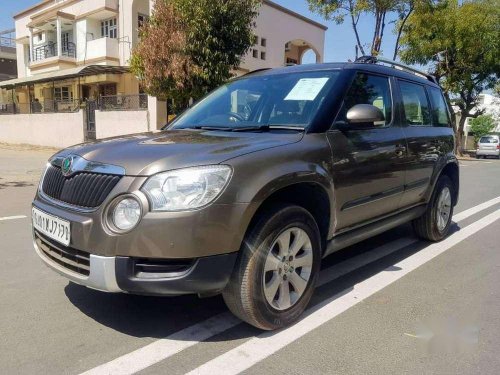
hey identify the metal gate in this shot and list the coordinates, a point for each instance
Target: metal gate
(90, 120)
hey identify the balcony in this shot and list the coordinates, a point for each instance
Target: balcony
(50, 50)
(102, 49)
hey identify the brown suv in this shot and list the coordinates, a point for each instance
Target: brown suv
(247, 191)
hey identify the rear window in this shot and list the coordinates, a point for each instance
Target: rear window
(439, 110)
(488, 139)
(415, 104)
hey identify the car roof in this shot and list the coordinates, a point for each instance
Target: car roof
(367, 67)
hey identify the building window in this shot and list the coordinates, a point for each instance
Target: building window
(255, 54)
(255, 40)
(109, 28)
(63, 93)
(262, 55)
(141, 20)
(108, 89)
(263, 42)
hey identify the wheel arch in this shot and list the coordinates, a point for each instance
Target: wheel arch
(309, 195)
(451, 170)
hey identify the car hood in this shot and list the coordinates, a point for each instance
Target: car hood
(149, 153)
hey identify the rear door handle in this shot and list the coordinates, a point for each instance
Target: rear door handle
(400, 150)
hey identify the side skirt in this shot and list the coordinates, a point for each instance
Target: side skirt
(359, 234)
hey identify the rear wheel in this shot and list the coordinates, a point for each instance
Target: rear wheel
(435, 223)
(277, 268)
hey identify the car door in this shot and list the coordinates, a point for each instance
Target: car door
(426, 125)
(368, 159)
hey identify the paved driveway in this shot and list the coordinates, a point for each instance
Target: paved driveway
(389, 305)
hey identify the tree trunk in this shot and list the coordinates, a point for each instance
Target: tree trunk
(458, 133)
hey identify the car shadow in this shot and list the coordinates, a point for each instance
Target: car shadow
(158, 317)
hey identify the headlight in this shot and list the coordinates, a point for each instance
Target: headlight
(126, 213)
(186, 189)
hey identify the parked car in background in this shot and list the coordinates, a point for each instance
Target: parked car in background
(246, 192)
(489, 145)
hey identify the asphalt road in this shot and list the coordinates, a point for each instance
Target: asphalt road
(389, 305)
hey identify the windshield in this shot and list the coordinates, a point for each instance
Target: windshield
(268, 100)
(488, 139)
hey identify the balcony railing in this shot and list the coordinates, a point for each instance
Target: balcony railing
(135, 102)
(50, 50)
(7, 42)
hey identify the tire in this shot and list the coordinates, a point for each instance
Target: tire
(428, 226)
(245, 294)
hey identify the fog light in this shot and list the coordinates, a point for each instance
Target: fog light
(126, 214)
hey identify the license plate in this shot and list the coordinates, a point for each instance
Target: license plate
(52, 226)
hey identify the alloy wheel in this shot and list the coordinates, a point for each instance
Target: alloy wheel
(287, 269)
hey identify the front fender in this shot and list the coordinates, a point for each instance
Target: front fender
(259, 175)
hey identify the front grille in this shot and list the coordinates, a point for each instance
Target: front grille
(82, 189)
(75, 260)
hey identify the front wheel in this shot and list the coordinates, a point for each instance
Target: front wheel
(435, 223)
(277, 268)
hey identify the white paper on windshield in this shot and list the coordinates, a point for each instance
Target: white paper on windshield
(307, 89)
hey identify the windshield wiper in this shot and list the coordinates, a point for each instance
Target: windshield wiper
(210, 127)
(250, 128)
(267, 128)
(234, 129)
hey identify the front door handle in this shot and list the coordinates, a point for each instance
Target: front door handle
(400, 150)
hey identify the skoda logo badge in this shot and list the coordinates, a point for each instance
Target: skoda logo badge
(66, 165)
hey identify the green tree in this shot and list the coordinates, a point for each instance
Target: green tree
(481, 126)
(190, 47)
(460, 42)
(380, 10)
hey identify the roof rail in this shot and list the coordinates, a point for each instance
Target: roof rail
(395, 64)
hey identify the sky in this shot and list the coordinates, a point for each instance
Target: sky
(339, 44)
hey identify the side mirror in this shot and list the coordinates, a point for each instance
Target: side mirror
(364, 114)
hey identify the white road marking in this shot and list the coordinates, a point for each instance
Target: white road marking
(474, 210)
(162, 349)
(12, 217)
(167, 347)
(262, 346)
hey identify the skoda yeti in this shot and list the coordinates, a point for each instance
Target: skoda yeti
(246, 192)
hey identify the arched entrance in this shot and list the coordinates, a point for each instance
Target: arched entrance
(299, 51)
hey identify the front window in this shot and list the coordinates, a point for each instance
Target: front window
(368, 89)
(267, 100)
(109, 28)
(63, 93)
(142, 19)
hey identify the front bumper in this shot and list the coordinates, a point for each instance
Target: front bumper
(204, 276)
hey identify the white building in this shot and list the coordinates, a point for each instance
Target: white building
(72, 52)
(490, 104)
